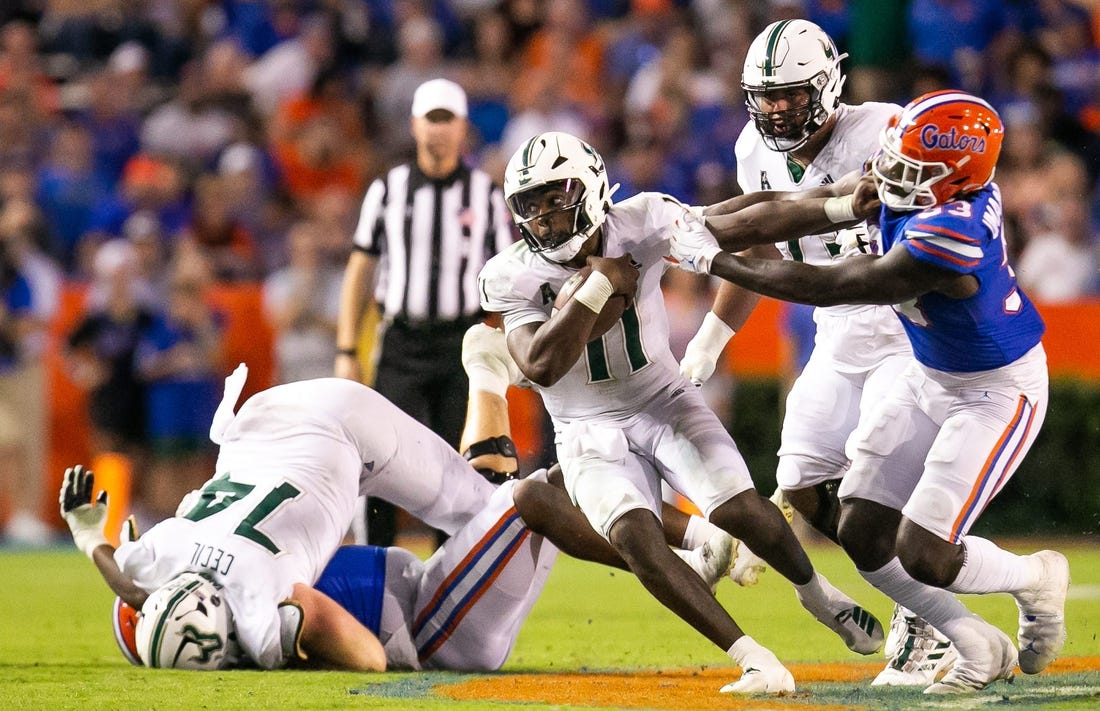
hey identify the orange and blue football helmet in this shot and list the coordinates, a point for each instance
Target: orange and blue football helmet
(943, 145)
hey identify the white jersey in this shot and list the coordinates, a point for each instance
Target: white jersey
(853, 140)
(631, 363)
(292, 464)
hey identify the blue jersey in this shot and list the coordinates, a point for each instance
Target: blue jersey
(356, 579)
(992, 328)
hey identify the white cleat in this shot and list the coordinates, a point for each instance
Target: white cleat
(747, 568)
(859, 629)
(712, 560)
(1042, 632)
(762, 679)
(970, 675)
(486, 346)
(780, 500)
(916, 653)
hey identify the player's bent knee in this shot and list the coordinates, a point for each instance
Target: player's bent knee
(555, 476)
(927, 557)
(736, 513)
(865, 536)
(636, 535)
(533, 502)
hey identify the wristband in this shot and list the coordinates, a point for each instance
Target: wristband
(87, 540)
(713, 335)
(840, 209)
(594, 292)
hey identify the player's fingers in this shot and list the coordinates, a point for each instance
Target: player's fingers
(84, 486)
(102, 498)
(66, 490)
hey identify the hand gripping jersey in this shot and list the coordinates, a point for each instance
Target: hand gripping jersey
(630, 363)
(293, 461)
(992, 328)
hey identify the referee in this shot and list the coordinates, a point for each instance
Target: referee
(425, 231)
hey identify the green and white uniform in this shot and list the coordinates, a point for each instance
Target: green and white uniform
(292, 463)
(624, 417)
(859, 350)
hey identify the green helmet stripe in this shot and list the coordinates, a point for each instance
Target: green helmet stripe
(527, 151)
(158, 632)
(773, 40)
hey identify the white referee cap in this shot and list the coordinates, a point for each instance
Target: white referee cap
(439, 94)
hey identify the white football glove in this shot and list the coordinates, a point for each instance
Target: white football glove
(84, 516)
(705, 348)
(692, 247)
(856, 240)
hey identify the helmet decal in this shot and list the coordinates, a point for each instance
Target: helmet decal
(186, 624)
(943, 145)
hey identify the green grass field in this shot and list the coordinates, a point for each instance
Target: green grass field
(57, 650)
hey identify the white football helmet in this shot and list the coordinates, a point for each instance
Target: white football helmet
(792, 54)
(186, 624)
(571, 169)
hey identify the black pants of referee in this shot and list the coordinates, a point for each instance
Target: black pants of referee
(420, 370)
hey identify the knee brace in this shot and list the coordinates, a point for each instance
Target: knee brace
(503, 446)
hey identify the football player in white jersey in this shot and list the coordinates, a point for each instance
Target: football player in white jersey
(292, 462)
(624, 417)
(802, 136)
(231, 579)
(949, 434)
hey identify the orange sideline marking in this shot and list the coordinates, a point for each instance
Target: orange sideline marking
(679, 689)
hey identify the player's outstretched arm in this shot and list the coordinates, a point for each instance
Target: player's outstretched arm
(331, 638)
(769, 216)
(739, 202)
(781, 220)
(85, 519)
(863, 279)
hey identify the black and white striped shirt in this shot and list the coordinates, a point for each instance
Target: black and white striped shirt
(432, 238)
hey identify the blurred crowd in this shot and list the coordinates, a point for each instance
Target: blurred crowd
(151, 148)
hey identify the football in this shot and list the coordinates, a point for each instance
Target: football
(609, 316)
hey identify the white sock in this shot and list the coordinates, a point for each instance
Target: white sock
(698, 531)
(745, 648)
(936, 606)
(484, 377)
(814, 590)
(988, 568)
